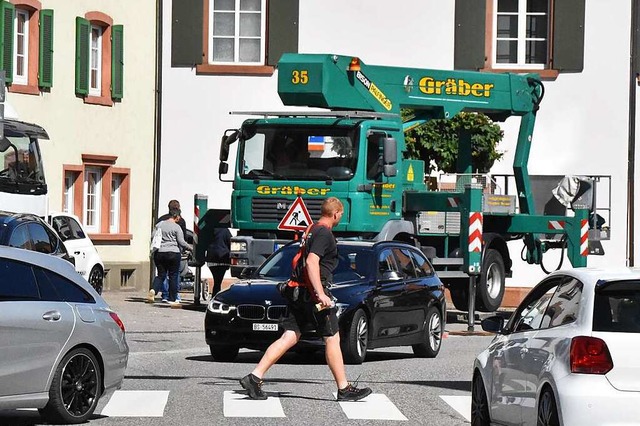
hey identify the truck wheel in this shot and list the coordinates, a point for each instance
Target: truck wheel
(354, 344)
(490, 289)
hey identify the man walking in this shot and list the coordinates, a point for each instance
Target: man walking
(321, 259)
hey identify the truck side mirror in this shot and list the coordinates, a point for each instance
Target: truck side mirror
(389, 170)
(390, 151)
(229, 137)
(223, 168)
(4, 144)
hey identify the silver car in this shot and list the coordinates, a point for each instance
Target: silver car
(567, 356)
(61, 346)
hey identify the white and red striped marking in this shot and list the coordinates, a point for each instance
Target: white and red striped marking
(196, 219)
(475, 232)
(584, 237)
(556, 224)
(453, 201)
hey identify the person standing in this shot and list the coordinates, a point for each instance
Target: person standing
(164, 287)
(167, 257)
(321, 259)
(218, 257)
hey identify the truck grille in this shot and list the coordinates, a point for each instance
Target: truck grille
(251, 312)
(274, 209)
(276, 312)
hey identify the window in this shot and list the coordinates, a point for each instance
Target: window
(95, 69)
(99, 59)
(407, 268)
(26, 37)
(20, 238)
(114, 210)
(98, 192)
(67, 198)
(543, 36)
(564, 306)
(21, 43)
(520, 33)
(240, 36)
(18, 282)
(237, 29)
(530, 314)
(387, 266)
(423, 267)
(91, 191)
(66, 289)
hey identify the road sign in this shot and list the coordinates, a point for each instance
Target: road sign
(297, 217)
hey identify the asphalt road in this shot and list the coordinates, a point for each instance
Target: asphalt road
(171, 379)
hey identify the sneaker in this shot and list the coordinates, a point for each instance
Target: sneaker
(352, 393)
(253, 386)
(151, 297)
(165, 301)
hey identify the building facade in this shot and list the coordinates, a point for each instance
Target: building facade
(220, 55)
(85, 71)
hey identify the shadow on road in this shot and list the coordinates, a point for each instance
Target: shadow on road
(303, 358)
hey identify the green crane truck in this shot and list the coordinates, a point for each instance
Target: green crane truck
(354, 149)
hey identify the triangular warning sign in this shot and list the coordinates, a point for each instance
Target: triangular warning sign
(297, 218)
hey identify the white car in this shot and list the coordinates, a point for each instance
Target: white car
(79, 245)
(568, 355)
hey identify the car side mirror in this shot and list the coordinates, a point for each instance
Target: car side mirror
(4, 144)
(247, 272)
(494, 324)
(391, 276)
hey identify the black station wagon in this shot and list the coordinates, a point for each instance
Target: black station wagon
(388, 294)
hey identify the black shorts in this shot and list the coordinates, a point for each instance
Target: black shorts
(302, 317)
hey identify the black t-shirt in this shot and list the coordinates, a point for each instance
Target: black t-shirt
(322, 242)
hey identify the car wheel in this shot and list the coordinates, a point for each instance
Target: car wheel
(354, 344)
(75, 388)
(547, 410)
(96, 278)
(490, 289)
(479, 406)
(224, 353)
(432, 335)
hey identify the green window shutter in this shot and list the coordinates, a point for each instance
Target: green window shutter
(283, 29)
(6, 39)
(45, 59)
(568, 35)
(82, 56)
(117, 61)
(186, 33)
(469, 34)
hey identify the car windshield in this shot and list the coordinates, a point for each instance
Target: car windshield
(617, 307)
(352, 264)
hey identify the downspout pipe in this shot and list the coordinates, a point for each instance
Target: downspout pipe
(157, 134)
(631, 153)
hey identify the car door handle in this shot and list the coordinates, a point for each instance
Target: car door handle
(51, 316)
(523, 352)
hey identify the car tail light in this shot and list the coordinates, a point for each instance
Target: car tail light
(117, 320)
(590, 355)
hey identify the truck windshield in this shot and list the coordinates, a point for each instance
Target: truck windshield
(288, 152)
(21, 166)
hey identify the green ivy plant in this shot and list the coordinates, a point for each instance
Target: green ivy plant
(436, 141)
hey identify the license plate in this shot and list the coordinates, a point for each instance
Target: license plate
(265, 327)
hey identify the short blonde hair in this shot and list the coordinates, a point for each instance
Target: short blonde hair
(330, 206)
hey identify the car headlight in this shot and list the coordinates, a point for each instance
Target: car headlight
(239, 246)
(217, 307)
(341, 308)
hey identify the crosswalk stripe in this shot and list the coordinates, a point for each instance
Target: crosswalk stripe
(238, 404)
(374, 407)
(134, 403)
(460, 403)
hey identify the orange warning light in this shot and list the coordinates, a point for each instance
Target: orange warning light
(354, 65)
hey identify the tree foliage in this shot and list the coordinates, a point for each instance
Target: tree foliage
(436, 141)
